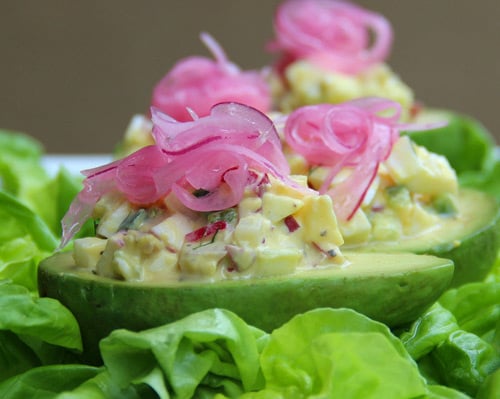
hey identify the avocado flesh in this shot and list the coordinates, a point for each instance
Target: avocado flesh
(392, 288)
(471, 240)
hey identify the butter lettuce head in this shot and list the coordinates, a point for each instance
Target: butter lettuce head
(338, 353)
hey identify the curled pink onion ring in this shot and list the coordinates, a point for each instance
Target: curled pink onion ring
(198, 83)
(333, 34)
(358, 134)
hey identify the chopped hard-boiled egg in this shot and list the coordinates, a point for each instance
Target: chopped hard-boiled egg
(420, 170)
(309, 84)
(276, 229)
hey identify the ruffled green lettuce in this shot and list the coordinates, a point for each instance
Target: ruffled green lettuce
(324, 353)
(33, 331)
(337, 354)
(23, 176)
(25, 239)
(457, 341)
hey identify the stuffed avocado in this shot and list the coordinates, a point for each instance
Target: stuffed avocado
(390, 194)
(401, 194)
(209, 216)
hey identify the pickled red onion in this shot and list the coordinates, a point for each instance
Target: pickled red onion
(198, 83)
(218, 153)
(332, 34)
(358, 135)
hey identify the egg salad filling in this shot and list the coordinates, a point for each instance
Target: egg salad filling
(383, 186)
(304, 83)
(413, 192)
(275, 229)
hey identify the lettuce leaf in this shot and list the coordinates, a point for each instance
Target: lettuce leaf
(464, 361)
(24, 240)
(457, 341)
(16, 357)
(47, 382)
(215, 354)
(34, 331)
(476, 307)
(338, 353)
(43, 318)
(204, 351)
(23, 176)
(491, 386)
(488, 179)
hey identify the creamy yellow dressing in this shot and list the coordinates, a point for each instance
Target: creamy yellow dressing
(279, 229)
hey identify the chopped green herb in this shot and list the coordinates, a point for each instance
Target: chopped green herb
(444, 205)
(200, 192)
(227, 215)
(398, 196)
(134, 220)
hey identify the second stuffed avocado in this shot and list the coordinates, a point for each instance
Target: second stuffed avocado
(388, 192)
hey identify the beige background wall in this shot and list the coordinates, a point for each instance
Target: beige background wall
(72, 73)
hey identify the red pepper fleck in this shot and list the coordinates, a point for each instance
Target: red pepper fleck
(259, 182)
(416, 109)
(291, 223)
(205, 231)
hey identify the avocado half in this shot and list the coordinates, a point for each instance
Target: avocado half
(392, 288)
(471, 240)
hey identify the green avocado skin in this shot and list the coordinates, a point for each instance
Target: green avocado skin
(395, 296)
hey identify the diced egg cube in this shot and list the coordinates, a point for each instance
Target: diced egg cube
(357, 229)
(111, 220)
(276, 261)
(420, 170)
(252, 230)
(319, 221)
(173, 229)
(201, 260)
(277, 207)
(249, 205)
(87, 251)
